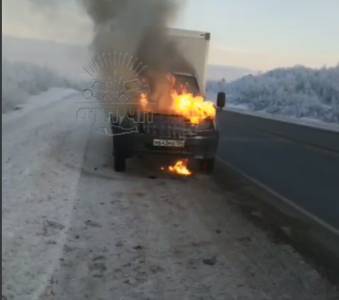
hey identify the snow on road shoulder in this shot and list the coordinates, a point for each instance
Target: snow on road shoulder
(38, 191)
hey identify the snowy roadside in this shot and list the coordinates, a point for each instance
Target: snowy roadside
(38, 191)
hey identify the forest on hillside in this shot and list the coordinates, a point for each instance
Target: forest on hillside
(298, 92)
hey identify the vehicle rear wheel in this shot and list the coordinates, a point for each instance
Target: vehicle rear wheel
(206, 165)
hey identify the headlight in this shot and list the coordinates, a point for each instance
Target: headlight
(205, 124)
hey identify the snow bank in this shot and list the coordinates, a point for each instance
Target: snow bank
(297, 92)
(21, 80)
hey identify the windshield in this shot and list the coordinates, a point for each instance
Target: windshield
(186, 83)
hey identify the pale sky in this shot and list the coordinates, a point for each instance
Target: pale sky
(256, 34)
(266, 33)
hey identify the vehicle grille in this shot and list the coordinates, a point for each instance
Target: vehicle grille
(169, 126)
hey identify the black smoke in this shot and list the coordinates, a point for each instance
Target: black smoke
(136, 27)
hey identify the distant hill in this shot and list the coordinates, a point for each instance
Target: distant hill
(229, 73)
(65, 58)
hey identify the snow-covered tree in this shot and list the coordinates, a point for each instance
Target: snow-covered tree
(296, 92)
(20, 80)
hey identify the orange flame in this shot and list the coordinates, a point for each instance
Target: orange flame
(193, 108)
(180, 168)
(143, 101)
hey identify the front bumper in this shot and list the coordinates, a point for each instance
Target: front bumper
(199, 143)
(199, 147)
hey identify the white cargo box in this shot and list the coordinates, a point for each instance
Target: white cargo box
(194, 45)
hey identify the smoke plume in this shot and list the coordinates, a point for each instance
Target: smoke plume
(139, 29)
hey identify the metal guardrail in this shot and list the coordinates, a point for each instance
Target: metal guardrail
(318, 135)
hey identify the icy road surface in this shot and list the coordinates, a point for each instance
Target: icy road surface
(74, 229)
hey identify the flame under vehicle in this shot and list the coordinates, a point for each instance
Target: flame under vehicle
(188, 127)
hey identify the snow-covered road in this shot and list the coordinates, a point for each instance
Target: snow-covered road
(74, 229)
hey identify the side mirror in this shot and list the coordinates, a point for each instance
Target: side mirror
(221, 100)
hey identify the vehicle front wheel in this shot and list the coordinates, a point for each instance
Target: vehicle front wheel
(119, 162)
(206, 165)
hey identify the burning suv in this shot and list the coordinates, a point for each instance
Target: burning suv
(186, 129)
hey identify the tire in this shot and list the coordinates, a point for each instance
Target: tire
(122, 143)
(119, 155)
(207, 165)
(119, 162)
